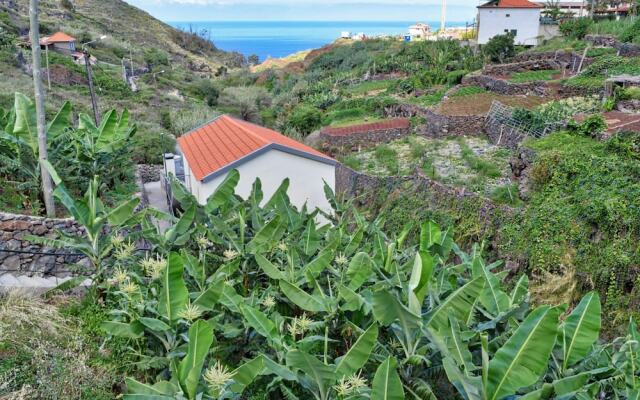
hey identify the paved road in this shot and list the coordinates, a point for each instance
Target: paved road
(158, 200)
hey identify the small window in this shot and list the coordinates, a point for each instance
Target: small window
(508, 15)
(514, 32)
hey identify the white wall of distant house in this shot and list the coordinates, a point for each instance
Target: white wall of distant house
(305, 179)
(498, 21)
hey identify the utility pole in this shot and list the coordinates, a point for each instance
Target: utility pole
(94, 101)
(47, 187)
(443, 17)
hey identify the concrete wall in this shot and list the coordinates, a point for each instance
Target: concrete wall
(494, 21)
(306, 179)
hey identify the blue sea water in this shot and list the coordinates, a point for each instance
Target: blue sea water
(281, 38)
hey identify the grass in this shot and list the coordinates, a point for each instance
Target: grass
(533, 76)
(370, 86)
(613, 27)
(507, 194)
(471, 162)
(469, 91)
(355, 121)
(560, 43)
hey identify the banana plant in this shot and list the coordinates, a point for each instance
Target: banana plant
(96, 243)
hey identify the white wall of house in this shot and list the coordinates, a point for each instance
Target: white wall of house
(305, 175)
(498, 21)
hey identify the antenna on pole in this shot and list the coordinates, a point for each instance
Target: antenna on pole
(443, 17)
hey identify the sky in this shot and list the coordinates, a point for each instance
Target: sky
(307, 10)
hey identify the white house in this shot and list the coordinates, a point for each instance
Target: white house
(209, 152)
(419, 30)
(518, 17)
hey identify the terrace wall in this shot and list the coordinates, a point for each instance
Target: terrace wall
(439, 125)
(624, 49)
(23, 256)
(504, 87)
(352, 138)
(523, 66)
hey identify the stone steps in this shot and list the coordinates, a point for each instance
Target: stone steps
(33, 284)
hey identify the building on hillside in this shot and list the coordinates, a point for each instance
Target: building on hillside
(59, 41)
(419, 30)
(208, 153)
(521, 18)
(566, 9)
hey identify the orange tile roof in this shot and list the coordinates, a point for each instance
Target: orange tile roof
(398, 123)
(58, 37)
(510, 4)
(226, 142)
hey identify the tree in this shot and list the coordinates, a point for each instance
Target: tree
(253, 59)
(305, 119)
(47, 190)
(500, 47)
(246, 101)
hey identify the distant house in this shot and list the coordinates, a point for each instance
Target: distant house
(419, 30)
(569, 9)
(59, 41)
(521, 18)
(209, 152)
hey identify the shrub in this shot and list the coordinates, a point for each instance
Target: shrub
(149, 147)
(154, 57)
(455, 77)
(305, 119)
(206, 90)
(626, 144)
(576, 28)
(591, 126)
(500, 47)
(631, 93)
(631, 33)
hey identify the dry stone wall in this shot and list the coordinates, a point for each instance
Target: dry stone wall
(624, 49)
(438, 125)
(343, 144)
(504, 87)
(20, 256)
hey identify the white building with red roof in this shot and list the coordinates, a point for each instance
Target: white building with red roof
(59, 41)
(521, 18)
(209, 152)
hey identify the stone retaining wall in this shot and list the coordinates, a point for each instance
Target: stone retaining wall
(439, 125)
(624, 49)
(559, 56)
(522, 66)
(14, 228)
(344, 144)
(503, 87)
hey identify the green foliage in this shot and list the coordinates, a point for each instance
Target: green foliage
(468, 91)
(499, 48)
(155, 57)
(455, 77)
(305, 119)
(576, 28)
(533, 76)
(592, 126)
(631, 32)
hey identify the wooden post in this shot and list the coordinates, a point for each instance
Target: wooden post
(47, 187)
(94, 101)
(46, 52)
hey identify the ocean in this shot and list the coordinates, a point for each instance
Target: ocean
(282, 38)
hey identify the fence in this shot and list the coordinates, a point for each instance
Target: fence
(500, 116)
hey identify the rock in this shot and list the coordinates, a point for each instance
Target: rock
(12, 263)
(14, 225)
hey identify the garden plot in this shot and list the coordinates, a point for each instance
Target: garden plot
(469, 162)
(479, 103)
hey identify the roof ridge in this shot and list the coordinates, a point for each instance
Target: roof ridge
(192, 130)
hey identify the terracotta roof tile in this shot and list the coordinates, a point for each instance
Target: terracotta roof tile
(58, 37)
(227, 140)
(510, 4)
(398, 123)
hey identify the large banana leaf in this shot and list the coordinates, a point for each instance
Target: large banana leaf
(387, 309)
(25, 127)
(469, 387)
(386, 382)
(260, 322)
(419, 281)
(580, 330)
(301, 298)
(224, 192)
(173, 294)
(430, 234)
(523, 358)
(268, 268)
(200, 340)
(520, 291)
(310, 238)
(459, 304)
(267, 237)
(358, 354)
(492, 298)
(133, 330)
(321, 262)
(321, 374)
(161, 390)
(359, 270)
